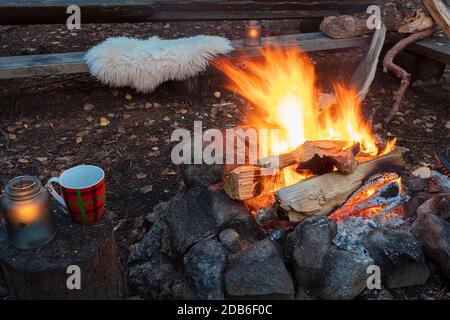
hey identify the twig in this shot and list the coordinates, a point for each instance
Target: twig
(405, 77)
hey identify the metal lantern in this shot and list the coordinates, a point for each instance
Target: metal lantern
(253, 33)
(27, 211)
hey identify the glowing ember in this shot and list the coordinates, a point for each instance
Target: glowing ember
(381, 197)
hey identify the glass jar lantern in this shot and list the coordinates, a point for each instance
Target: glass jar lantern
(27, 211)
(253, 33)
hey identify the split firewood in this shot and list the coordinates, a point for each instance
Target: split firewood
(405, 77)
(322, 194)
(440, 13)
(245, 182)
(418, 22)
(345, 26)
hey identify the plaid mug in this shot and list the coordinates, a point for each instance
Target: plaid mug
(83, 191)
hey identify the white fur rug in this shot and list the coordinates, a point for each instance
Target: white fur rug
(145, 64)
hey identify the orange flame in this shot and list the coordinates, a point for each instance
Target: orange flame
(282, 87)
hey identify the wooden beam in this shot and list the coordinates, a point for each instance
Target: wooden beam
(42, 65)
(64, 63)
(434, 48)
(107, 11)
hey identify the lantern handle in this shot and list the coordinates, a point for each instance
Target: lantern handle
(53, 191)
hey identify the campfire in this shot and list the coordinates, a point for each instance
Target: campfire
(324, 151)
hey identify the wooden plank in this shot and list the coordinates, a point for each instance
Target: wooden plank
(106, 11)
(434, 48)
(42, 65)
(72, 62)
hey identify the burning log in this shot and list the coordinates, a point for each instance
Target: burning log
(246, 182)
(377, 198)
(322, 194)
(319, 156)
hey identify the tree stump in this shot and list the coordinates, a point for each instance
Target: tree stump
(43, 273)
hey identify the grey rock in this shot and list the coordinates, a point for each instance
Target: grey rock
(259, 272)
(197, 214)
(152, 267)
(399, 256)
(225, 209)
(434, 233)
(442, 180)
(344, 275)
(266, 216)
(158, 212)
(149, 277)
(204, 264)
(245, 224)
(303, 294)
(156, 241)
(230, 240)
(276, 235)
(309, 245)
(3, 293)
(204, 175)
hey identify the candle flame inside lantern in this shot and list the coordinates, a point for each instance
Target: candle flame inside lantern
(253, 32)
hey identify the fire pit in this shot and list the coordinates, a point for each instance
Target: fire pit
(311, 205)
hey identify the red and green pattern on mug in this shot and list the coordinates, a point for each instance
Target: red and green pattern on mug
(83, 191)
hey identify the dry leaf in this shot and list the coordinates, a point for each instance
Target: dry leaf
(104, 121)
(141, 176)
(79, 139)
(166, 118)
(23, 161)
(147, 189)
(128, 96)
(41, 159)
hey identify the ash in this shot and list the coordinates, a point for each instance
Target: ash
(353, 231)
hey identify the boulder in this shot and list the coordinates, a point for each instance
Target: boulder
(265, 216)
(152, 269)
(434, 233)
(203, 175)
(344, 275)
(204, 264)
(156, 241)
(308, 245)
(199, 213)
(230, 240)
(259, 272)
(399, 256)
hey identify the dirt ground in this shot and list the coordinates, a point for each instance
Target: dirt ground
(52, 123)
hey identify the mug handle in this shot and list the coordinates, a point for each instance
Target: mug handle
(53, 191)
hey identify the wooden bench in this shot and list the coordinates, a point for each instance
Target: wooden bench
(435, 48)
(72, 62)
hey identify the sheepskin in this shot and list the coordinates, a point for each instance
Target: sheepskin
(145, 64)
